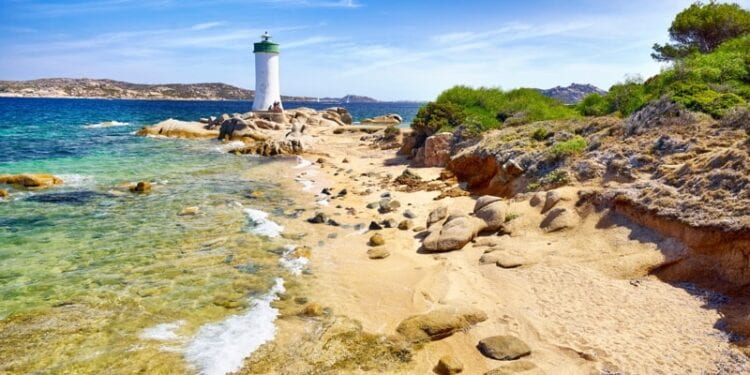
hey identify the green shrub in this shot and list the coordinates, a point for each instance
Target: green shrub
(573, 146)
(540, 134)
(594, 105)
(434, 117)
(700, 97)
(626, 97)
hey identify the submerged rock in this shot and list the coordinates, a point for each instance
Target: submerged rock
(439, 324)
(503, 348)
(71, 198)
(141, 187)
(4, 193)
(31, 180)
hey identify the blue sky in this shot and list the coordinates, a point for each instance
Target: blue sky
(386, 49)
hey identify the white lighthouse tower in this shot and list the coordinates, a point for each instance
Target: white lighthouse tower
(267, 91)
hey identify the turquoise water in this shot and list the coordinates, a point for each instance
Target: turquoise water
(95, 279)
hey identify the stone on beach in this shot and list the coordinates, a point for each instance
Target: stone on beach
(436, 215)
(503, 348)
(449, 365)
(439, 324)
(454, 234)
(517, 368)
(31, 180)
(378, 253)
(492, 210)
(558, 219)
(377, 240)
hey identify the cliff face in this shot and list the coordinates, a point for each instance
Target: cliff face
(106, 88)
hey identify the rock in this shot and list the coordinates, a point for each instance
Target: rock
(485, 200)
(437, 150)
(388, 205)
(418, 229)
(558, 219)
(230, 126)
(509, 261)
(512, 168)
(31, 180)
(409, 214)
(537, 199)
(190, 211)
(342, 193)
(373, 205)
(449, 365)
(489, 258)
(551, 200)
(375, 226)
(408, 143)
(377, 240)
(321, 161)
(378, 253)
(492, 213)
(439, 324)
(454, 235)
(658, 114)
(436, 215)
(255, 194)
(503, 348)
(389, 223)
(179, 129)
(266, 125)
(311, 310)
(516, 368)
(4, 193)
(141, 187)
(405, 225)
(319, 218)
(389, 119)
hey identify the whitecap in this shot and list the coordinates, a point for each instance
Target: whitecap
(259, 223)
(76, 180)
(307, 185)
(295, 265)
(162, 332)
(230, 146)
(105, 124)
(220, 348)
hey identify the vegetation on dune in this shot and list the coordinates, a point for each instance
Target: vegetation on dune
(709, 72)
(482, 109)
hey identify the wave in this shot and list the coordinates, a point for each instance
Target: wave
(229, 147)
(220, 348)
(259, 223)
(76, 180)
(295, 265)
(302, 163)
(163, 332)
(105, 124)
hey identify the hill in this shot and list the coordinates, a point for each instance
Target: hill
(572, 94)
(107, 88)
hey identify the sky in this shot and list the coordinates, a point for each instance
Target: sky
(387, 49)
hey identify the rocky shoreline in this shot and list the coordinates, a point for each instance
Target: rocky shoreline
(440, 253)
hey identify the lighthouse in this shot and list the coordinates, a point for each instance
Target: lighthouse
(267, 91)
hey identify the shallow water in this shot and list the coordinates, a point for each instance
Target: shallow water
(95, 279)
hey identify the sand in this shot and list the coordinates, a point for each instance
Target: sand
(582, 300)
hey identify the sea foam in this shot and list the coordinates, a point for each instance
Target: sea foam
(105, 124)
(295, 265)
(258, 223)
(163, 332)
(220, 348)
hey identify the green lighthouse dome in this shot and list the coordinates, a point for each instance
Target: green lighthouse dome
(266, 45)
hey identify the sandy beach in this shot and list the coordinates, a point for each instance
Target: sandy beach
(581, 298)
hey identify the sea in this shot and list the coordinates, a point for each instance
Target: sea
(97, 280)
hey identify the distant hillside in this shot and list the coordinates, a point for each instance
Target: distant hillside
(573, 93)
(106, 88)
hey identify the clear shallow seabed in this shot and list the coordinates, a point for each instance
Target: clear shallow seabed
(96, 281)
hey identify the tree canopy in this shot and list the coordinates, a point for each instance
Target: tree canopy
(702, 27)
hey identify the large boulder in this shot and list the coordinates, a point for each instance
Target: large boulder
(558, 219)
(439, 324)
(436, 215)
(179, 129)
(454, 234)
(31, 180)
(231, 126)
(436, 151)
(492, 210)
(503, 348)
(389, 119)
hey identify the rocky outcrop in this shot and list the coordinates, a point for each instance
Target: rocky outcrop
(439, 324)
(435, 152)
(179, 129)
(389, 119)
(31, 180)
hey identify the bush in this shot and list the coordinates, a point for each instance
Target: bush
(573, 146)
(434, 117)
(594, 105)
(700, 97)
(540, 134)
(626, 97)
